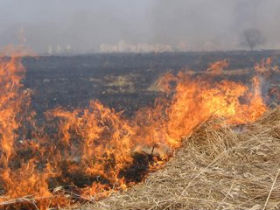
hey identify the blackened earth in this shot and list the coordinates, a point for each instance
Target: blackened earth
(120, 81)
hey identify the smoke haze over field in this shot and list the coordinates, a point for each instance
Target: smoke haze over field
(129, 25)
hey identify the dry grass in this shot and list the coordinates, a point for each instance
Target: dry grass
(215, 169)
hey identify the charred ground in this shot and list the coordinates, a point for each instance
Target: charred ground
(121, 81)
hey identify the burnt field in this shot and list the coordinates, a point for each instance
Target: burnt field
(121, 81)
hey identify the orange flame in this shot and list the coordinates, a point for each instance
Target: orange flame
(96, 151)
(266, 68)
(218, 67)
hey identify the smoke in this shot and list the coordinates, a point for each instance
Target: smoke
(69, 26)
(215, 24)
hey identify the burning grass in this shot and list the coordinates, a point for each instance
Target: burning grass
(225, 168)
(87, 154)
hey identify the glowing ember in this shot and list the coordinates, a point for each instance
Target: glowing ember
(95, 151)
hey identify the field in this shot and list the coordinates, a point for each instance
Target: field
(121, 81)
(147, 150)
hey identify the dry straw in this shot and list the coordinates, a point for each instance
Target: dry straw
(217, 168)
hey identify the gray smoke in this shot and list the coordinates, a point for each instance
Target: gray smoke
(215, 24)
(71, 26)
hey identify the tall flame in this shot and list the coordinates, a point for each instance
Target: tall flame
(95, 151)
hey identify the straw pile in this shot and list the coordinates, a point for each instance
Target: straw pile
(217, 168)
(224, 168)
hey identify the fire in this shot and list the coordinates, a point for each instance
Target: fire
(10, 102)
(265, 68)
(218, 67)
(96, 151)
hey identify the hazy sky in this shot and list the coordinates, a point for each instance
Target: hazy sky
(84, 25)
